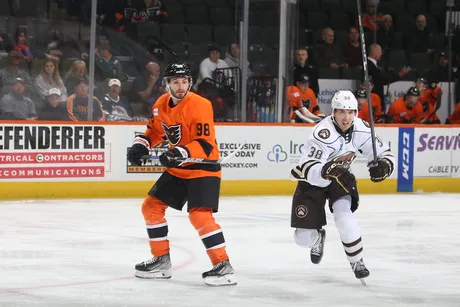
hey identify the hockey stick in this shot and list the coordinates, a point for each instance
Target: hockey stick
(201, 160)
(366, 81)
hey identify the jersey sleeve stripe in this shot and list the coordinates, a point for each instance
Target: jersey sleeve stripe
(207, 148)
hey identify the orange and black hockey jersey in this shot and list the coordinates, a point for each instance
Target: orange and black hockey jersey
(426, 107)
(454, 118)
(376, 108)
(189, 124)
(401, 114)
(298, 99)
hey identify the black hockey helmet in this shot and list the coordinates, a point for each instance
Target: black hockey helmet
(177, 70)
(413, 91)
(361, 93)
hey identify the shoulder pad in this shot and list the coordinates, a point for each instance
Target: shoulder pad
(325, 131)
(361, 125)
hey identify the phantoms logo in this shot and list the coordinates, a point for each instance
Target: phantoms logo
(277, 154)
(406, 160)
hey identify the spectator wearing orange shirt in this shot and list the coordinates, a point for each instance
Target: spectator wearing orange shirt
(454, 118)
(303, 106)
(403, 110)
(363, 106)
(372, 19)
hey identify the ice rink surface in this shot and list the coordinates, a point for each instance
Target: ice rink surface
(82, 253)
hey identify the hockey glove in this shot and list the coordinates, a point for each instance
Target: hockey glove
(170, 158)
(139, 148)
(381, 170)
(337, 169)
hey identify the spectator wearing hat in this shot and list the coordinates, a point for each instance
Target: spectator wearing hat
(209, 65)
(15, 105)
(12, 72)
(403, 110)
(363, 106)
(147, 88)
(301, 98)
(49, 78)
(54, 108)
(114, 104)
(440, 71)
(77, 104)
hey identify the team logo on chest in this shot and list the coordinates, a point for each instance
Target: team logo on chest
(173, 133)
(306, 103)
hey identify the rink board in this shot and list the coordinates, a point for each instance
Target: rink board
(83, 160)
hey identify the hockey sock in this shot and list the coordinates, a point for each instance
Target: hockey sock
(210, 233)
(349, 231)
(157, 228)
(306, 237)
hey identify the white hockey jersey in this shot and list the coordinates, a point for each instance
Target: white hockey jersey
(326, 143)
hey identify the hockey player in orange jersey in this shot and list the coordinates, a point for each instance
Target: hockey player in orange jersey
(426, 108)
(454, 118)
(363, 106)
(404, 109)
(185, 119)
(303, 106)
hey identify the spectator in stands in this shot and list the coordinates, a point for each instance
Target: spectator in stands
(116, 106)
(77, 104)
(54, 108)
(303, 106)
(386, 34)
(379, 78)
(418, 39)
(454, 118)
(302, 67)
(402, 109)
(15, 105)
(352, 49)
(372, 19)
(440, 71)
(328, 54)
(12, 72)
(232, 56)
(49, 78)
(147, 87)
(106, 65)
(21, 44)
(5, 44)
(74, 75)
(210, 64)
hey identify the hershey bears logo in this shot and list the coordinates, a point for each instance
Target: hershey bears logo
(324, 133)
(173, 133)
(306, 103)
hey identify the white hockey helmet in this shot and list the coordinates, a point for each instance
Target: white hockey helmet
(344, 100)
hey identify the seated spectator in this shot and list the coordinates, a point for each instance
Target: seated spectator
(440, 72)
(77, 104)
(147, 88)
(402, 110)
(116, 106)
(352, 50)
(328, 54)
(49, 78)
(302, 67)
(232, 56)
(54, 108)
(454, 118)
(363, 106)
(418, 39)
(107, 66)
(303, 106)
(372, 19)
(21, 44)
(15, 105)
(12, 72)
(209, 65)
(386, 34)
(74, 75)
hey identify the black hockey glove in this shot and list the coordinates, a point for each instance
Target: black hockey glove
(170, 158)
(381, 170)
(139, 148)
(337, 169)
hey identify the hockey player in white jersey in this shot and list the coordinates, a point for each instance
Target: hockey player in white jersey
(323, 174)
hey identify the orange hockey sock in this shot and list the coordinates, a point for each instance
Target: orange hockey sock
(210, 233)
(157, 228)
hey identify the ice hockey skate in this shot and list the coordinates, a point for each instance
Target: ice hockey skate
(317, 251)
(221, 275)
(155, 268)
(360, 271)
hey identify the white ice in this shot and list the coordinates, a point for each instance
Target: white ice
(82, 253)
